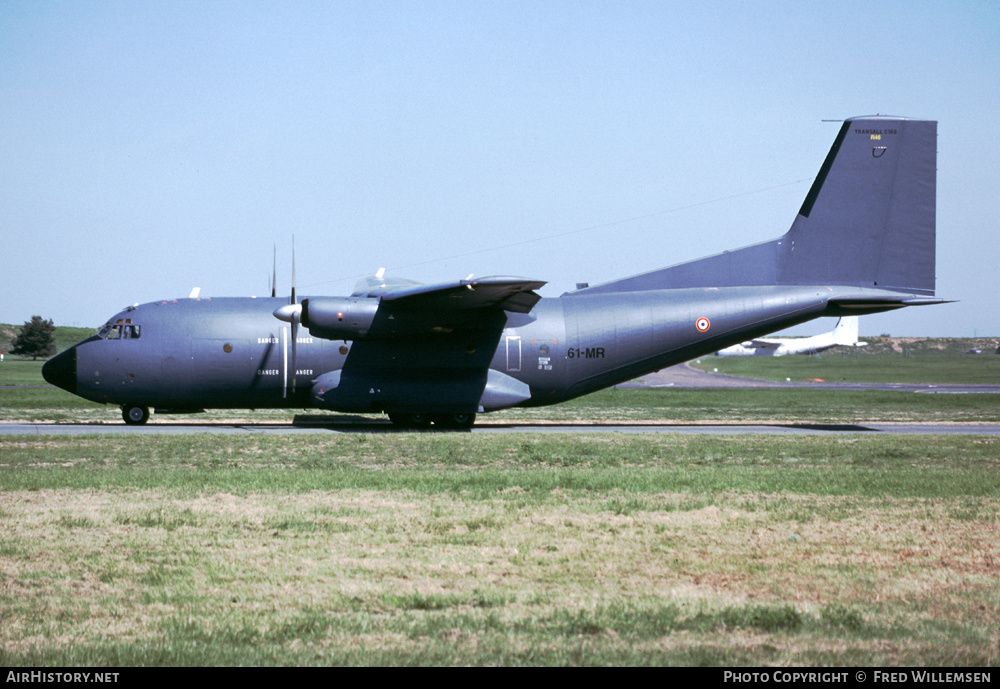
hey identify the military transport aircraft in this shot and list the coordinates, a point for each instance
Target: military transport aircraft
(862, 242)
(844, 334)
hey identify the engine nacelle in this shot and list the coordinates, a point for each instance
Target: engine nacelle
(339, 318)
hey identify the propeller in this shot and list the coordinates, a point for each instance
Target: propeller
(291, 313)
(274, 272)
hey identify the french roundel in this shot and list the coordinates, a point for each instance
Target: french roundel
(703, 324)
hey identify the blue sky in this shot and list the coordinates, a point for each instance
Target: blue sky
(147, 148)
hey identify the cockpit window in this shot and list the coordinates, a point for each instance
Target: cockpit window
(119, 331)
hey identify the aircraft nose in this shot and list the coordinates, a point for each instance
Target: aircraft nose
(60, 370)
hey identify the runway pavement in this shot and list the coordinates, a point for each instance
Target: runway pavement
(331, 425)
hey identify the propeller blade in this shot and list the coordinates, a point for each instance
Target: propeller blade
(294, 300)
(296, 317)
(274, 272)
(295, 339)
(290, 313)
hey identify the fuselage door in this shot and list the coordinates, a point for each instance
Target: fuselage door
(513, 352)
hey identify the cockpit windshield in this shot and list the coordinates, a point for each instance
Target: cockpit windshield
(120, 329)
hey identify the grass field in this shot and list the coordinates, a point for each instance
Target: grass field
(459, 549)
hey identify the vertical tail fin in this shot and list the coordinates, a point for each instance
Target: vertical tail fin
(868, 221)
(846, 331)
(869, 218)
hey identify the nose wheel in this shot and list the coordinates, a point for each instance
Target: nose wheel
(134, 414)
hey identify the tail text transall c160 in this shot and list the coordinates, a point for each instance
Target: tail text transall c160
(862, 242)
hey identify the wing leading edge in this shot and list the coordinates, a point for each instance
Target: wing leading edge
(507, 293)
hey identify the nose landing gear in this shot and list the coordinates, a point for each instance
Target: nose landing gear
(134, 414)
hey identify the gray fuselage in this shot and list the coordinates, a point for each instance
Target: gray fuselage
(233, 353)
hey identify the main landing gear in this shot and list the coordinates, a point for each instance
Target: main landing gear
(134, 414)
(458, 422)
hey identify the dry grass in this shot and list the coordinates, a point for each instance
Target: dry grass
(392, 572)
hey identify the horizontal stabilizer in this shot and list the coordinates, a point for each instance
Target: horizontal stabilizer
(859, 306)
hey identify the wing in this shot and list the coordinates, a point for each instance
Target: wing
(457, 306)
(765, 344)
(403, 308)
(427, 348)
(507, 293)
